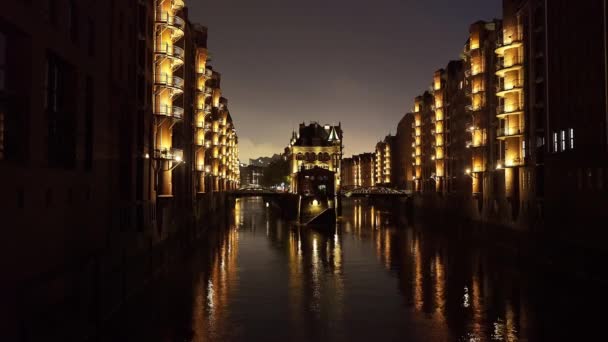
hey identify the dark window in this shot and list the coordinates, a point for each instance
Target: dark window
(3, 53)
(73, 21)
(92, 35)
(48, 198)
(50, 12)
(59, 90)
(89, 127)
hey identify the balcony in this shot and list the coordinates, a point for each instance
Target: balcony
(502, 45)
(504, 111)
(177, 4)
(509, 87)
(174, 154)
(511, 64)
(174, 82)
(509, 163)
(509, 132)
(207, 73)
(174, 23)
(174, 112)
(472, 108)
(171, 51)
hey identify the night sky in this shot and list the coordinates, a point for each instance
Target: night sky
(360, 62)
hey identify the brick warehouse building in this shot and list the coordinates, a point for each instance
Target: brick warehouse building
(102, 110)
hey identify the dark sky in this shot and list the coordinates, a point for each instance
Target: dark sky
(360, 62)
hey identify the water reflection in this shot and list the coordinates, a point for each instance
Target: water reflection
(368, 278)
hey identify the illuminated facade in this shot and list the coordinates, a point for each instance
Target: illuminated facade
(511, 94)
(424, 141)
(383, 161)
(453, 129)
(364, 170)
(348, 173)
(316, 145)
(403, 167)
(479, 58)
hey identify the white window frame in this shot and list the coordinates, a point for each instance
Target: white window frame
(571, 136)
(555, 142)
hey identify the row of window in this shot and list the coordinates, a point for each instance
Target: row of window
(563, 140)
(50, 13)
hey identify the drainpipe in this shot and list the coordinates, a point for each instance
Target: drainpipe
(605, 67)
(547, 116)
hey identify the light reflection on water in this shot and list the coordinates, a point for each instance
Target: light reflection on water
(367, 278)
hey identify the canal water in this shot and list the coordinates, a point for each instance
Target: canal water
(372, 277)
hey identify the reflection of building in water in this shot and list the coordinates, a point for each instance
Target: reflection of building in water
(212, 292)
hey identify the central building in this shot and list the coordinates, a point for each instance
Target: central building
(315, 145)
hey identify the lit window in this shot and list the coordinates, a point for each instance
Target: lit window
(554, 142)
(523, 147)
(563, 136)
(571, 138)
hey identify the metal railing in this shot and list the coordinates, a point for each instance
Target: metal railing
(509, 62)
(172, 111)
(511, 162)
(500, 42)
(170, 50)
(170, 81)
(177, 4)
(514, 84)
(170, 20)
(503, 110)
(169, 154)
(509, 131)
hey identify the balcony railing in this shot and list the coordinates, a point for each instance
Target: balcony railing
(471, 108)
(175, 154)
(172, 111)
(502, 64)
(177, 4)
(169, 81)
(513, 85)
(514, 162)
(505, 132)
(170, 20)
(506, 110)
(208, 73)
(170, 50)
(500, 42)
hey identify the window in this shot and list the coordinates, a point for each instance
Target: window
(59, 97)
(51, 85)
(91, 42)
(523, 148)
(50, 11)
(72, 21)
(3, 53)
(554, 142)
(563, 140)
(88, 120)
(571, 138)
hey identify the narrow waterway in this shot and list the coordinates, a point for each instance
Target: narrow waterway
(373, 277)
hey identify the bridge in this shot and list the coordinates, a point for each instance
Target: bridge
(376, 191)
(255, 192)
